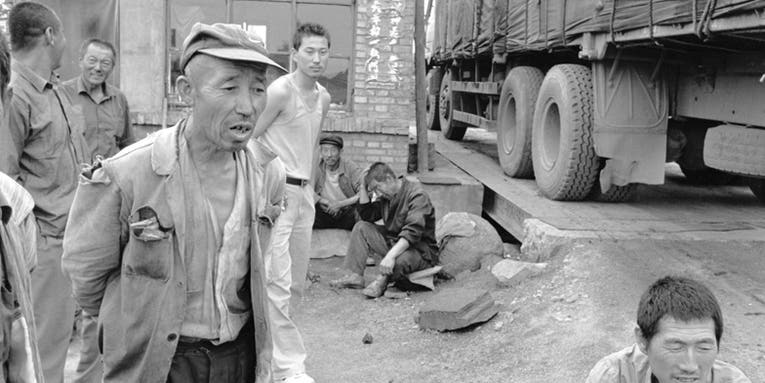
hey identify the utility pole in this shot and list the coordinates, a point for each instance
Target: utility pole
(419, 88)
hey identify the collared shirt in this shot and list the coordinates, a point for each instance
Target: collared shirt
(630, 365)
(42, 146)
(216, 257)
(409, 215)
(349, 177)
(107, 122)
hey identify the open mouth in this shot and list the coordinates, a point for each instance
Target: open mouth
(241, 129)
(686, 379)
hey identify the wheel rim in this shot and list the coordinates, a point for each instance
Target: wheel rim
(444, 102)
(550, 135)
(509, 126)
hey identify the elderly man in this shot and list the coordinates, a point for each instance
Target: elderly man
(679, 326)
(42, 148)
(163, 243)
(336, 186)
(407, 240)
(107, 121)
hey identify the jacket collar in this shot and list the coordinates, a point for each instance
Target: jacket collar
(81, 88)
(30, 76)
(164, 151)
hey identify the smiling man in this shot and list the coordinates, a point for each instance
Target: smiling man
(105, 108)
(163, 243)
(679, 326)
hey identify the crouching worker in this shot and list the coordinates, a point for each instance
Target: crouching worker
(336, 187)
(679, 326)
(404, 244)
(163, 242)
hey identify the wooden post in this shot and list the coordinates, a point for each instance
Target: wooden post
(419, 76)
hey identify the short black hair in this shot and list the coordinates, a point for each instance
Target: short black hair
(5, 66)
(309, 29)
(99, 43)
(379, 171)
(680, 298)
(28, 21)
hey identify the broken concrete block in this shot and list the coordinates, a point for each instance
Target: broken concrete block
(326, 243)
(510, 273)
(456, 308)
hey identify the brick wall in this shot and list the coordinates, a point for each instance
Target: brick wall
(377, 128)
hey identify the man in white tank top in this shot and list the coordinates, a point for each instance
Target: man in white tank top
(290, 126)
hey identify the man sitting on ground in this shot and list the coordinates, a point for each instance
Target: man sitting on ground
(678, 338)
(406, 242)
(336, 187)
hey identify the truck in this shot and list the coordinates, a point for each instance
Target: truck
(593, 97)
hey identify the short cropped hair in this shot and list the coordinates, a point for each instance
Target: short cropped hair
(379, 171)
(99, 43)
(680, 298)
(28, 21)
(309, 29)
(5, 66)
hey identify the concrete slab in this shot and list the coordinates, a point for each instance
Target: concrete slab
(456, 308)
(675, 211)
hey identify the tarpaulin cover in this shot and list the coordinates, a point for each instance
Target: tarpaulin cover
(471, 27)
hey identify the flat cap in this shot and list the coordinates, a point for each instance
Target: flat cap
(332, 139)
(225, 41)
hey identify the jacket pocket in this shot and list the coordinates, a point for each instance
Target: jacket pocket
(149, 251)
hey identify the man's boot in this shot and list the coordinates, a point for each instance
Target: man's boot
(377, 288)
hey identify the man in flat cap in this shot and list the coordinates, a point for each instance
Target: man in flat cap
(336, 186)
(163, 243)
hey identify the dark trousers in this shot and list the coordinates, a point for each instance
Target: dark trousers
(370, 240)
(345, 220)
(201, 361)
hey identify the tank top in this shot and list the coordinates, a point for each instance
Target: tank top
(294, 133)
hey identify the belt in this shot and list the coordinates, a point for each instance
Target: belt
(296, 181)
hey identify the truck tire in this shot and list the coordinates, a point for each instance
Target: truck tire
(515, 119)
(691, 160)
(624, 193)
(434, 84)
(562, 149)
(447, 99)
(758, 187)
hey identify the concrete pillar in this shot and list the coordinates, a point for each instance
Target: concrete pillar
(142, 58)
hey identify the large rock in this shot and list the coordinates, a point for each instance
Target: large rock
(456, 308)
(510, 273)
(327, 243)
(464, 252)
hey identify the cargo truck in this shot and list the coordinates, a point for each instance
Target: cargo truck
(592, 97)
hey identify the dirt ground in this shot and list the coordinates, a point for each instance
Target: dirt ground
(551, 328)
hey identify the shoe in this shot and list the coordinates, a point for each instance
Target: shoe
(299, 378)
(350, 281)
(377, 288)
(371, 261)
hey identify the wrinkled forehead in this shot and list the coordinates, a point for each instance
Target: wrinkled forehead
(329, 147)
(98, 51)
(219, 68)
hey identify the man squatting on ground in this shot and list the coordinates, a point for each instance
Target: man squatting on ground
(679, 326)
(407, 240)
(42, 148)
(107, 131)
(337, 182)
(290, 126)
(160, 243)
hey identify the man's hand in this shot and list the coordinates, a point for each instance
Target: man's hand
(323, 203)
(333, 208)
(387, 264)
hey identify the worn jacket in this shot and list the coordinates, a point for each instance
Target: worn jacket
(135, 280)
(409, 215)
(349, 177)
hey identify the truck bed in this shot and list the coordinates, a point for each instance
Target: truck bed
(471, 28)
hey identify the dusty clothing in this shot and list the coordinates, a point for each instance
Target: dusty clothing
(124, 252)
(107, 122)
(341, 184)
(19, 357)
(369, 240)
(294, 134)
(204, 362)
(630, 365)
(42, 146)
(409, 215)
(349, 177)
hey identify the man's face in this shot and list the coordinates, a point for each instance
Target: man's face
(330, 154)
(96, 64)
(682, 352)
(386, 189)
(312, 56)
(227, 99)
